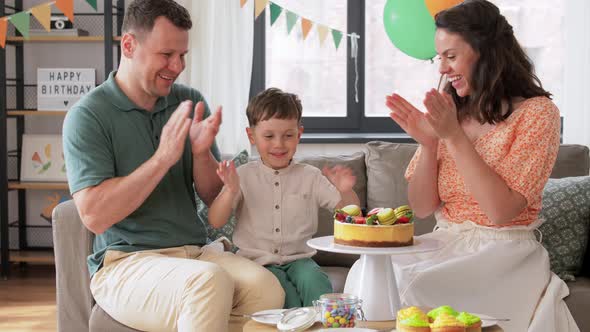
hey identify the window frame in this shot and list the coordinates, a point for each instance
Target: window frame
(355, 126)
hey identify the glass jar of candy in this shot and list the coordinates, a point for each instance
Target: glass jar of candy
(339, 310)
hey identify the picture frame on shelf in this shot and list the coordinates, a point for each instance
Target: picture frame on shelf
(60, 88)
(42, 159)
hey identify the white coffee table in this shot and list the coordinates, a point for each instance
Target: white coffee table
(376, 286)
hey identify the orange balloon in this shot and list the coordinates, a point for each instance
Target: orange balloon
(436, 6)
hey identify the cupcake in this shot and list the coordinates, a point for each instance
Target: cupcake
(414, 323)
(472, 322)
(447, 323)
(432, 314)
(411, 319)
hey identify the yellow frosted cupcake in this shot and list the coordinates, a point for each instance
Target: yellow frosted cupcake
(447, 323)
(411, 319)
(432, 314)
(414, 323)
(472, 322)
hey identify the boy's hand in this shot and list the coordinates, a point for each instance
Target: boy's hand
(227, 173)
(341, 177)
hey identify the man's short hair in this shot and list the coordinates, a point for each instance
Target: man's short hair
(273, 103)
(141, 15)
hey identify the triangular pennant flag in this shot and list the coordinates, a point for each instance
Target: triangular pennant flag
(43, 14)
(66, 7)
(337, 35)
(291, 20)
(21, 23)
(92, 3)
(275, 12)
(242, 3)
(3, 27)
(305, 27)
(259, 6)
(322, 33)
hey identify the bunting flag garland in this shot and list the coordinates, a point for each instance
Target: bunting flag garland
(92, 3)
(43, 14)
(66, 7)
(322, 33)
(275, 12)
(242, 3)
(291, 20)
(22, 20)
(3, 27)
(305, 27)
(337, 36)
(306, 24)
(259, 6)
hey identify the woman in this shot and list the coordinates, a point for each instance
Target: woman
(488, 143)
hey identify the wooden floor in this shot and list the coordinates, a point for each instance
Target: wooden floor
(27, 299)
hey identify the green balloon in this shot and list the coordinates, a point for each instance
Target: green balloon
(410, 27)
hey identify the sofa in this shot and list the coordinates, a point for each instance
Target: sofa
(380, 182)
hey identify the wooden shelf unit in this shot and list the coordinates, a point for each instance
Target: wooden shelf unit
(59, 39)
(110, 27)
(32, 256)
(38, 185)
(35, 113)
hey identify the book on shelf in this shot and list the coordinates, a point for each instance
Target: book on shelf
(58, 33)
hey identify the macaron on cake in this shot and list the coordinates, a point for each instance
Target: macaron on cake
(381, 227)
(411, 319)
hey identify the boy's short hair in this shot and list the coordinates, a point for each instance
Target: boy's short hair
(140, 15)
(273, 103)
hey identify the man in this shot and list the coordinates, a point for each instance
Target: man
(134, 158)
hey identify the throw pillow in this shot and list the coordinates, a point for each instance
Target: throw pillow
(386, 184)
(202, 210)
(566, 211)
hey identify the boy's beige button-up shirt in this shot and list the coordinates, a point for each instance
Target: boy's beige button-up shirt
(277, 211)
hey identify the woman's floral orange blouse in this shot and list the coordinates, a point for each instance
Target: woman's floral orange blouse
(522, 150)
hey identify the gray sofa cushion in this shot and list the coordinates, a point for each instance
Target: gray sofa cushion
(100, 321)
(203, 211)
(386, 186)
(356, 162)
(566, 211)
(579, 302)
(572, 160)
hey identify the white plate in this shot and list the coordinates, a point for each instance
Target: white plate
(486, 321)
(269, 320)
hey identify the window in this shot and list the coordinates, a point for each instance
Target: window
(324, 78)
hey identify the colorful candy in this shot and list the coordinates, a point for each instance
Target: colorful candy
(338, 310)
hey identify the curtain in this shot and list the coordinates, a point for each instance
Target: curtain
(576, 126)
(219, 64)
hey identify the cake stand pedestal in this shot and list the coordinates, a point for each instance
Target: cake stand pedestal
(376, 286)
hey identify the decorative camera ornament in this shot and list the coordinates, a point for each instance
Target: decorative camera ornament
(60, 23)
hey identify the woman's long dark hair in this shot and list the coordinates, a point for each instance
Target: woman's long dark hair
(503, 70)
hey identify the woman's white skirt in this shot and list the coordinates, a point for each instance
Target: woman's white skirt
(502, 273)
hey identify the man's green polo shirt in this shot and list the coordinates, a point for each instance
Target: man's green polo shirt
(105, 135)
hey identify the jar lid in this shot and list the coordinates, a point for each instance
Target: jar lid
(297, 320)
(339, 298)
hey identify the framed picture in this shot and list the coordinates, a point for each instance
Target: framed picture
(42, 159)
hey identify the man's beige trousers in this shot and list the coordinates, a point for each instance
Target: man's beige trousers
(182, 289)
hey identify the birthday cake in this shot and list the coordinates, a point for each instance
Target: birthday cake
(381, 227)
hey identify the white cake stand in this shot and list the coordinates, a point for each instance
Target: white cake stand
(376, 286)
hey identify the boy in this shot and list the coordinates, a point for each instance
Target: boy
(277, 199)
